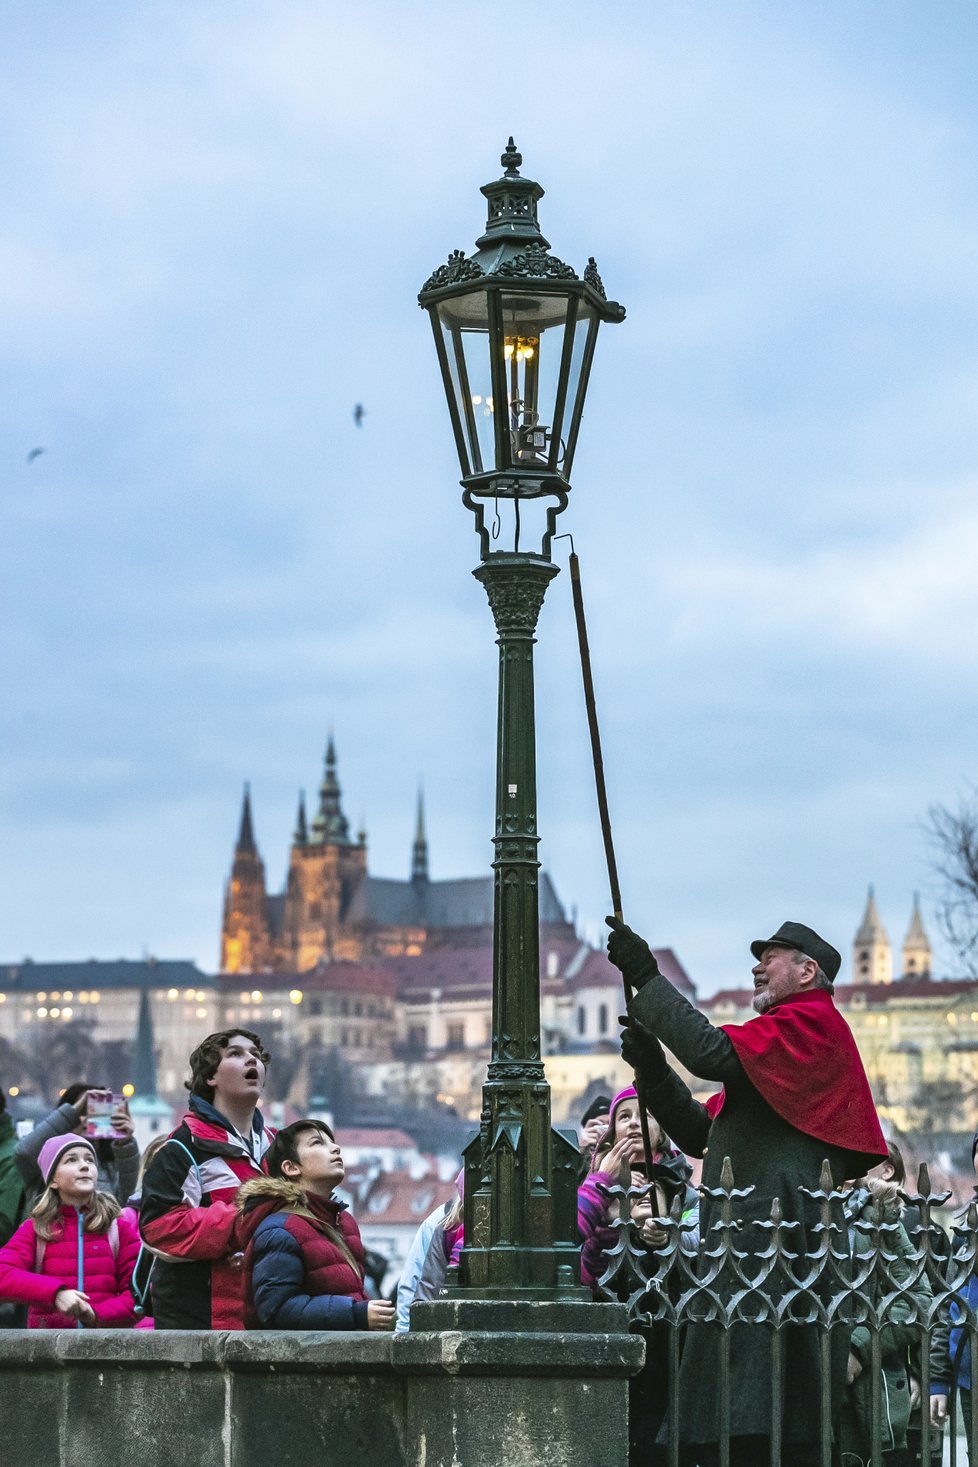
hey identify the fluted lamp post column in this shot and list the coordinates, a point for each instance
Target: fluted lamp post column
(515, 331)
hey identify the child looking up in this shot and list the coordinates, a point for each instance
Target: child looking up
(72, 1259)
(303, 1254)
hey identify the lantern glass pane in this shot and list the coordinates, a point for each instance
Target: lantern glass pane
(585, 330)
(465, 328)
(533, 340)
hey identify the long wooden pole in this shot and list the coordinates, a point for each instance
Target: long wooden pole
(605, 818)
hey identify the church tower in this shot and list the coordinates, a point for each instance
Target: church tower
(872, 955)
(419, 851)
(916, 946)
(326, 866)
(245, 944)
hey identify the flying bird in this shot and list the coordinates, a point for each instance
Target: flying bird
(359, 413)
(35, 453)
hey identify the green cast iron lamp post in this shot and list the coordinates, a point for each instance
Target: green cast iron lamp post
(515, 330)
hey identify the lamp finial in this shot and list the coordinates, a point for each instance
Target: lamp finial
(511, 160)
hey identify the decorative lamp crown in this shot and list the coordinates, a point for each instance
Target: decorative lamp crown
(515, 331)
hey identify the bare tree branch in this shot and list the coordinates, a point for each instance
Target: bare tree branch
(953, 835)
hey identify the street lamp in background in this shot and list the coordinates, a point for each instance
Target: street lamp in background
(515, 331)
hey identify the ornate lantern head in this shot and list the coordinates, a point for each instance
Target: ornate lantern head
(515, 330)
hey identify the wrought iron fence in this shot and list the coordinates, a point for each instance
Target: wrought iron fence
(872, 1297)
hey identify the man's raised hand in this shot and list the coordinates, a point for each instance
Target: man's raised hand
(630, 953)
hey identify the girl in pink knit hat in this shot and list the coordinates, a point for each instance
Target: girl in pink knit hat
(72, 1260)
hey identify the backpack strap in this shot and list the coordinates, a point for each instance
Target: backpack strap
(172, 1141)
(140, 1291)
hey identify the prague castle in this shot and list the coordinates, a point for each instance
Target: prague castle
(333, 909)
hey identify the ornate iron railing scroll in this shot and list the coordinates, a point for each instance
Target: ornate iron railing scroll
(880, 1295)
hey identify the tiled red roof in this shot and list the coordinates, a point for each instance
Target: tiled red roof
(397, 1198)
(938, 989)
(341, 977)
(597, 972)
(365, 1137)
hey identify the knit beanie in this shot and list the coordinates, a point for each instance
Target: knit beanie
(53, 1150)
(600, 1106)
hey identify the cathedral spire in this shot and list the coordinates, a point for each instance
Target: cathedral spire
(916, 945)
(419, 855)
(872, 955)
(245, 939)
(301, 836)
(246, 836)
(871, 928)
(330, 827)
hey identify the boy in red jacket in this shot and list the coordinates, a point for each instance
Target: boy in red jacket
(303, 1253)
(187, 1216)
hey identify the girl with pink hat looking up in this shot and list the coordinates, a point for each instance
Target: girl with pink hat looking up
(71, 1261)
(619, 1160)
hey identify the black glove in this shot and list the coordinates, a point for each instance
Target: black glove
(630, 953)
(642, 1052)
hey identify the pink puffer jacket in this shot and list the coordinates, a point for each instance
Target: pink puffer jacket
(73, 1260)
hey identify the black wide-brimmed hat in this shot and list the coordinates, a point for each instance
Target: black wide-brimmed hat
(796, 935)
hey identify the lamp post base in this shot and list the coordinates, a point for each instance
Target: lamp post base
(514, 1384)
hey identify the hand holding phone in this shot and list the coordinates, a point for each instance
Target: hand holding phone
(100, 1115)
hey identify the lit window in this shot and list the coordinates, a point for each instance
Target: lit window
(201, 997)
(42, 1013)
(83, 998)
(55, 1013)
(41, 997)
(276, 1013)
(245, 997)
(3, 998)
(56, 997)
(94, 997)
(14, 1090)
(189, 993)
(202, 1013)
(256, 995)
(172, 993)
(295, 996)
(69, 997)
(66, 1013)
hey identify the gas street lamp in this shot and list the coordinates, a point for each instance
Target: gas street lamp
(515, 331)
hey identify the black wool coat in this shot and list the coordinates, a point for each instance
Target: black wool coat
(773, 1157)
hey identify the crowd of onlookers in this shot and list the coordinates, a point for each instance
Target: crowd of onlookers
(224, 1224)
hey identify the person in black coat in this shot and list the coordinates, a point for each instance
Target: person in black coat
(794, 1094)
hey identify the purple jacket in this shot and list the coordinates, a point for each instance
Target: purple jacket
(592, 1227)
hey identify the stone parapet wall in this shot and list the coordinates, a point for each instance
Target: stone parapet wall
(456, 1398)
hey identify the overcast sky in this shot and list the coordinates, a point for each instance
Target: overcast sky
(215, 221)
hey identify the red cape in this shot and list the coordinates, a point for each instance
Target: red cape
(802, 1058)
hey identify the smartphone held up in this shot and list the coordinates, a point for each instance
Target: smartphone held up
(100, 1111)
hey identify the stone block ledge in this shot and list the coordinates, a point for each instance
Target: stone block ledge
(452, 1352)
(447, 1352)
